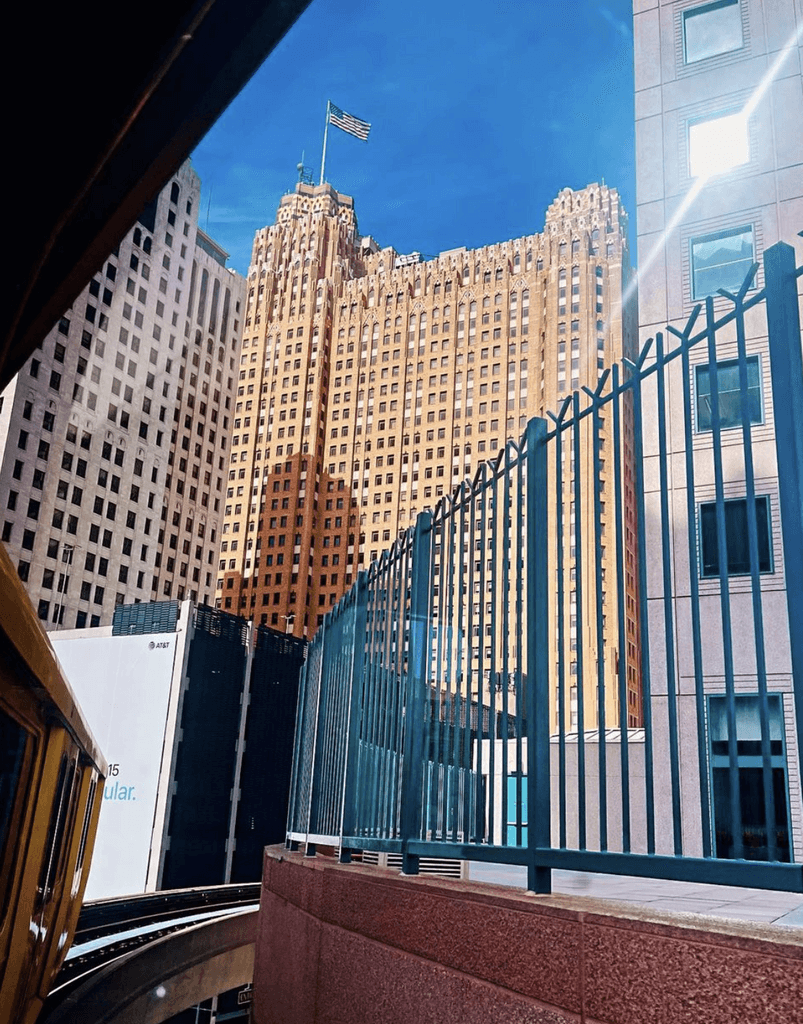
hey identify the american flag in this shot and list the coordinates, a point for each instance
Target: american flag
(348, 122)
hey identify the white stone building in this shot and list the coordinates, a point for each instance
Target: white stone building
(719, 160)
(113, 435)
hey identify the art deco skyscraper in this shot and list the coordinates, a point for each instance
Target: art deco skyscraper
(371, 383)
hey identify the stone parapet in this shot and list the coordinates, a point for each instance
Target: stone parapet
(351, 943)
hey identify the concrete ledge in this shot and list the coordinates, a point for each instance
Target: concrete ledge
(340, 943)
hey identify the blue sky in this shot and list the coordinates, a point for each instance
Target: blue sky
(480, 114)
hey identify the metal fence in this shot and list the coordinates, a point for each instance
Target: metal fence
(590, 656)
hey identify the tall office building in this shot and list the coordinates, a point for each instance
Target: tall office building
(719, 144)
(372, 383)
(114, 434)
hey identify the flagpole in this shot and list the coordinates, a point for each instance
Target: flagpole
(325, 134)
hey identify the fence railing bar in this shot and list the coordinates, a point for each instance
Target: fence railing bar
(371, 746)
(505, 633)
(311, 809)
(351, 779)
(396, 682)
(410, 790)
(724, 589)
(323, 776)
(471, 669)
(669, 624)
(492, 512)
(393, 702)
(374, 741)
(463, 647)
(452, 664)
(621, 612)
(694, 601)
(337, 717)
(519, 633)
(330, 762)
(483, 735)
(560, 542)
(646, 692)
(599, 595)
(536, 624)
(439, 749)
(312, 680)
(579, 594)
(786, 366)
(429, 690)
(298, 743)
(755, 579)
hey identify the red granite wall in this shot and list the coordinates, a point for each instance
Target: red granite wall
(342, 943)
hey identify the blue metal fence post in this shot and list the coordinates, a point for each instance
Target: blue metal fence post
(298, 746)
(786, 368)
(351, 780)
(310, 849)
(417, 673)
(539, 878)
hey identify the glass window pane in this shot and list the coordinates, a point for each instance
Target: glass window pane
(750, 788)
(720, 261)
(730, 395)
(12, 747)
(736, 537)
(749, 779)
(718, 144)
(712, 29)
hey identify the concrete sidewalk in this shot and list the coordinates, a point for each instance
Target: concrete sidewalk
(766, 906)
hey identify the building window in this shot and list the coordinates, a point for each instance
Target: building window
(750, 778)
(736, 537)
(718, 144)
(712, 29)
(729, 394)
(720, 261)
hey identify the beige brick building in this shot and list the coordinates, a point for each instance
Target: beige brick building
(372, 383)
(114, 434)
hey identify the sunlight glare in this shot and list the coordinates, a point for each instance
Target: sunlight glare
(718, 144)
